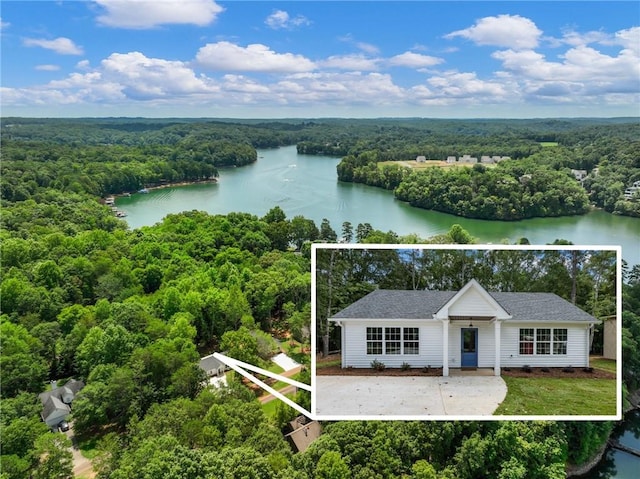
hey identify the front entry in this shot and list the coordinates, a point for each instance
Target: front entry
(469, 347)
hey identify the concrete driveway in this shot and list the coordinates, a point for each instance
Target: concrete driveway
(360, 397)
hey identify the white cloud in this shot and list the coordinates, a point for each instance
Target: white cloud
(228, 56)
(83, 65)
(510, 31)
(240, 83)
(61, 45)
(48, 68)
(466, 85)
(338, 89)
(367, 47)
(414, 60)
(144, 77)
(629, 39)
(571, 37)
(280, 19)
(351, 62)
(582, 72)
(362, 46)
(136, 14)
(4, 25)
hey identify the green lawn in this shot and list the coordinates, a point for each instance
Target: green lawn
(558, 397)
(269, 408)
(545, 144)
(328, 364)
(294, 350)
(602, 363)
(88, 447)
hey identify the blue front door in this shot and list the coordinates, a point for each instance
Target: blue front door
(469, 347)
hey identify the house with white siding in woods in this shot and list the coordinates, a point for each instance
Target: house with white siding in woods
(470, 328)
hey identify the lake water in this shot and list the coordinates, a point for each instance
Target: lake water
(620, 464)
(307, 185)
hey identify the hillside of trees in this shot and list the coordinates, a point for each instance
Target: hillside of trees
(130, 312)
(123, 155)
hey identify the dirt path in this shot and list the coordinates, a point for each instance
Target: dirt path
(82, 467)
(267, 397)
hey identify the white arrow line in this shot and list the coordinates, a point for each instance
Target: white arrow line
(238, 367)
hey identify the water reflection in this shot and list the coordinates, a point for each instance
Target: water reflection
(619, 464)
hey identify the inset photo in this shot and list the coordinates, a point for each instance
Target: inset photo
(466, 332)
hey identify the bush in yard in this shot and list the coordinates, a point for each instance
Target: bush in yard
(378, 365)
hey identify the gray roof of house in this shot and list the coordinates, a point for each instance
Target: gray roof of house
(72, 385)
(210, 363)
(401, 304)
(52, 405)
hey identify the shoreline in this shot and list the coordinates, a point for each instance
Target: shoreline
(166, 185)
(573, 470)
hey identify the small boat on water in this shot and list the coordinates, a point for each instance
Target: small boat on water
(120, 214)
(143, 191)
(109, 201)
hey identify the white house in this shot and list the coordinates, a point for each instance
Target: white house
(470, 328)
(56, 402)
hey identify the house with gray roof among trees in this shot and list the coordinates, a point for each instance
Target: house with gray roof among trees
(56, 403)
(471, 328)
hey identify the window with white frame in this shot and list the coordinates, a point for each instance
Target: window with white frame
(543, 341)
(411, 337)
(393, 340)
(374, 340)
(526, 340)
(560, 341)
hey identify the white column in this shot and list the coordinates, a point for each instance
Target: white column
(588, 347)
(445, 347)
(496, 364)
(343, 349)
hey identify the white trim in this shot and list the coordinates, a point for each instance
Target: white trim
(498, 345)
(445, 347)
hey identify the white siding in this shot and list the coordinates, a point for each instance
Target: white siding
(577, 354)
(355, 345)
(472, 303)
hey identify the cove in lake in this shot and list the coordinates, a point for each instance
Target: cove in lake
(620, 464)
(307, 185)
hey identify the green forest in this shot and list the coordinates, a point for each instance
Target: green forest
(130, 312)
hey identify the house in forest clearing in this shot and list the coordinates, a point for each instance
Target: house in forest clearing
(212, 366)
(56, 403)
(470, 328)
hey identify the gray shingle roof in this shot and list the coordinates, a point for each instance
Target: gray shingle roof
(400, 304)
(72, 385)
(210, 363)
(52, 405)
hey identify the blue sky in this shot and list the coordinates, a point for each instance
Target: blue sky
(200, 58)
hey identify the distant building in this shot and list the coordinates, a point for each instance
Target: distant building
(632, 191)
(470, 160)
(212, 366)
(579, 175)
(421, 159)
